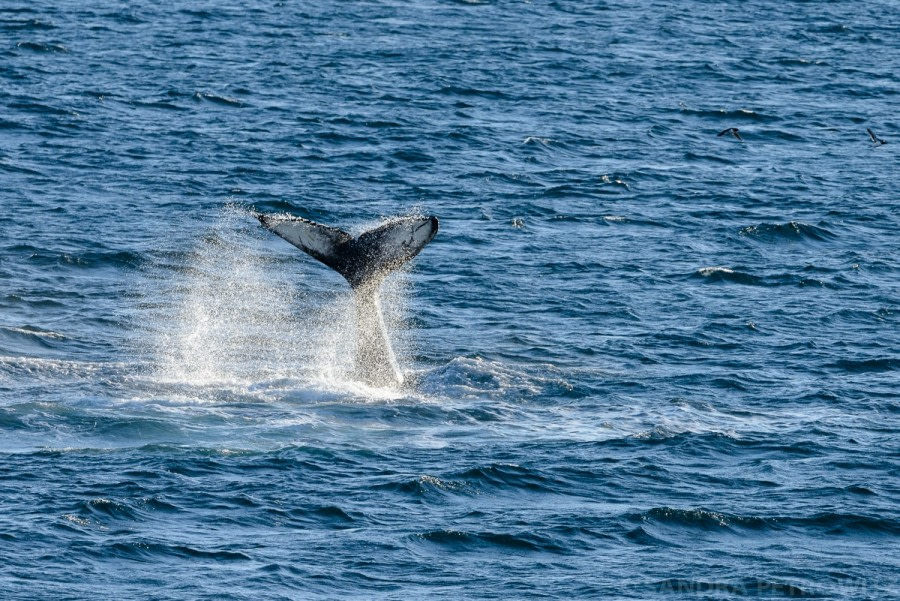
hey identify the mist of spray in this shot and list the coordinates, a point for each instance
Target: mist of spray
(237, 314)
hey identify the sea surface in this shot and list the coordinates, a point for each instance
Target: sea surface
(643, 361)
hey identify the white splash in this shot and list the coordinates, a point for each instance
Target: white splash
(242, 315)
(225, 318)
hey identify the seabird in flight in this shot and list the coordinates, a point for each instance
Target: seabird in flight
(878, 141)
(733, 131)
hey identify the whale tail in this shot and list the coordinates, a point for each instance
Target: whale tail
(364, 261)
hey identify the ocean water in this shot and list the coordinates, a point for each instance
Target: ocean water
(644, 361)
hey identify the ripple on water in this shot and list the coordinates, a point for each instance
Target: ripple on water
(793, 231)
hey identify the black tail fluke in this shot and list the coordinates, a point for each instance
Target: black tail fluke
(363, 260)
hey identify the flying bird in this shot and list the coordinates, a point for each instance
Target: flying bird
(878, 141)
(731, 130)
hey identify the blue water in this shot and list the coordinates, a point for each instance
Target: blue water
(645, 362)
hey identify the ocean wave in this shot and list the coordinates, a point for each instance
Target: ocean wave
(28, 24)
(104, 509)
(830, 523)
(461, 540)
(611, 220)
(792, 231)
(13, 168)
(726, 274)
(731, 116)
(145, 550)
(846, 524)
(157, 104)
(585, 190)
(6, 124)
(465, 91)
(330, 515)
(709, 158)
(517, 179)
(9, 420)
(32, 333)
(217, 99)
(425, 485)
(791, 61)
(42, 46)
(50, 369)
(713, 443)
(159, 504)
(699, 518)
(136, 429)
(719, 274)
(128, 18)
(497, 478)
(641, 536)
(87, 259)
(465, 377)
(501, 476)
(879, 364)
(40, 108)
(27, 338)
(413, 156)
(111, 258)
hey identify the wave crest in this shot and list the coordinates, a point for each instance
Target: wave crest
(792, 231)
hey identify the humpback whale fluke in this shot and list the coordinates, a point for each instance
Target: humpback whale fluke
(364, 261)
